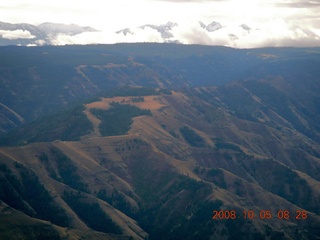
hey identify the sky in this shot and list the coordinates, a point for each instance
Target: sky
(268, 22)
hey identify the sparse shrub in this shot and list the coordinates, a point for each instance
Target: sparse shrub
(137, 99)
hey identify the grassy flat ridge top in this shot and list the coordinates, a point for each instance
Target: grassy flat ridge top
(146, 102)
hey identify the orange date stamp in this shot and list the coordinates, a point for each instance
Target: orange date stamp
(262, 214)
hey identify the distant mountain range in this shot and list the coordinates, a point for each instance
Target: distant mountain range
(47, 33)
(169, 32)
(28, 34)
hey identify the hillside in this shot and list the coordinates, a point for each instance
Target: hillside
(38, 81)
(240, 160)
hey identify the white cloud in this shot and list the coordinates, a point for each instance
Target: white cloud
(274, 33)
(16, 34)
(272, 23)
(104, 37)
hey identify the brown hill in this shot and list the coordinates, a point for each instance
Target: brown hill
(230, 149)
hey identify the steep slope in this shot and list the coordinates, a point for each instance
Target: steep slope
(65, 197)
(42, 80)
(16, 225)
(236, 161)
(234, 149)
(9, 119)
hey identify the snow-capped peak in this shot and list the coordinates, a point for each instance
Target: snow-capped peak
(211, 27)
(70, 29)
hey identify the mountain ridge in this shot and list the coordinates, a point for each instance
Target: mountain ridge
(70, 74)
(181, 142)
(25, 34)
(42, 34)
(224, 162)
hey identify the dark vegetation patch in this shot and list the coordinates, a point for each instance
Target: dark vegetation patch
(214, 175)
(24, 192)
(137, 99)
(91, 213)
(49, 165)
(192, 137)
(242, 229)
(172, 206)
(68, 125)
(283, 182)
(194, 223)
(118, 119)
(117, 200)
(220, 144)
(26, 230)
(61, 168)
(177, 209)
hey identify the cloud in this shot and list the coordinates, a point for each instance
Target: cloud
(189, 1)
(300, 4)
(104, 37)
(274, 33)
(247, 23)
(16, 34)
(279, 33)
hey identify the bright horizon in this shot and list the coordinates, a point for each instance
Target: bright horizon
(267, 23)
